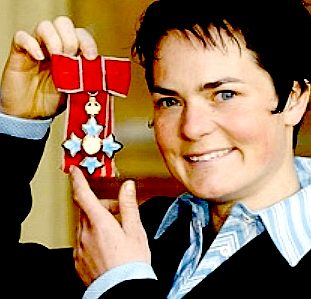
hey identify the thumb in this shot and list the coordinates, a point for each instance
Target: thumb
(128, 207)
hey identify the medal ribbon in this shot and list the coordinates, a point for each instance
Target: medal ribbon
(91, 84)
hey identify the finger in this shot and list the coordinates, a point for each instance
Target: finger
(78, 229)
(83, 226)
(47, 36)
(87, 43)
(67, 33)
(129, 207)
(84, 196)
(24, 42)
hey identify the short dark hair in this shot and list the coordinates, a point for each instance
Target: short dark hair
(276, 31)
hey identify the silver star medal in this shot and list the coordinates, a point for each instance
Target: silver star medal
(91, 142)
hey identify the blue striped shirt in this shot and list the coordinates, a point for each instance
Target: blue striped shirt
(22, 127)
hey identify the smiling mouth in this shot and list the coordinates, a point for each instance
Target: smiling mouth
(209, 156)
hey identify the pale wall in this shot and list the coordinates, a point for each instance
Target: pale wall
(48, 221)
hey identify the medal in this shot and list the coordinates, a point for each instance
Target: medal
(90, 86)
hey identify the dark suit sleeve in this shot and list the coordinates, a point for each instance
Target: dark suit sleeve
(136, 288)
(19, 161)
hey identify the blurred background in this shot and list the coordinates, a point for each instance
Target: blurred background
(113, 24)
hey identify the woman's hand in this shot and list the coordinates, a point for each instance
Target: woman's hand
(27, 89)
(104, 241)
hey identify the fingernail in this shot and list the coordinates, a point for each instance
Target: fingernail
(90, 54)
(129, 187)
(39, 55)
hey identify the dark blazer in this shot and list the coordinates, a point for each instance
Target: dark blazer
(33, 271)
(29, 270)
(258, 270)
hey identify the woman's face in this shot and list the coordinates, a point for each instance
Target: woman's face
(213, 122)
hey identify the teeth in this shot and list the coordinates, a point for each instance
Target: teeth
(210, 156)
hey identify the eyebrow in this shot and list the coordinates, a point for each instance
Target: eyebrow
(163, 90)
(215, 84)
(205, 86)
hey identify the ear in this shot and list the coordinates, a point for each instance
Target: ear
(296, 104)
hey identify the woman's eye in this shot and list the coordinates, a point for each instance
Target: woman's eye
(225, 95)
(167, 102)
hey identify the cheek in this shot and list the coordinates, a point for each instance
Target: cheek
(162, 136)
(166, 133)
(167, 143)
(256, 136)
(245, 127)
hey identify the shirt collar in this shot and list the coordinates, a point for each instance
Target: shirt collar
(288, 222)
(199, 210)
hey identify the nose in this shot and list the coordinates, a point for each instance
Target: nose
(197, 120)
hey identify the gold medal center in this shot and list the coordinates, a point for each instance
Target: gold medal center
(91, 144)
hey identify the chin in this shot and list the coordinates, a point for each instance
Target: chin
(214, 192)
(205, 193)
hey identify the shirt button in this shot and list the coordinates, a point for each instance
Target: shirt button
(224, 252)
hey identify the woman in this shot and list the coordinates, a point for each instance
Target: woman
(230, 86)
